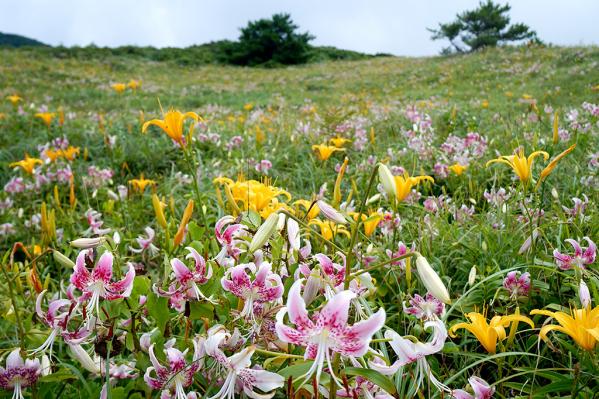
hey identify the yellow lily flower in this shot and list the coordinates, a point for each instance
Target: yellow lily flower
(46, 117)
(457, 168)
(253, 195)
(552, 164)
(488, 334)
(27, 164)
(119, 87)
(339, 142)
(328, 229)
(324, 152)
(68, 154)
(314, 211)
(370, 221)
(172, 124)
(14, 99)
(134, 84)
(582, 325)
(405, 183)
(140, 184)
(521, 164)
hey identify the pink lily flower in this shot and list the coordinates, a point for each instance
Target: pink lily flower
(580, 259)
(173, 378)
(266, 287)
(57, 317)
(228, 233)
(517, 284)
(363, 388)
(186, 281)
(97, 284)
(409, 352)
(97, 365)
(146, 243)
(482, 390)
(328, 276)
(328, 330)
(427, 308)
(19, 374)
(402, 249)
(239, 374)
(95, 223)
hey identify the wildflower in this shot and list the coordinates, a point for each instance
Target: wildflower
(427, 308)
(552, 164)
(172, 125)
(584, 294)
(229, 234)
(431, 279)
(146, 242)
(239, 374)
(324, 152)
(521, 164)
(46, 117)
(517, 284)
(329, 229)
(95, 223)
(14, 99)
(177, 375)
(253, 195)
(134, 84)
(98, 284)
(402, 250)
(339, 142)
(403, 185)
(310, 206)
(328, 330)
(457, 168)
(263, 166)
(489, 333)
(97, 365)
(582, 325)
(140, 184)
(187, 213)
(409, 352)
(328, 276)
(266, 287)
(87, 243)
(330, 213)
(480, 387)
(119, 87)
(19, 374)
(580, 259)
(27, 164)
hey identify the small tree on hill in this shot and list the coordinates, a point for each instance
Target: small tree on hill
(486, 26)
(271, 41)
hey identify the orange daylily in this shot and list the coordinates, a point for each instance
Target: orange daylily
(582, 325)
(46, 117)
(27, 164)
(520, 163)
(172, 124)
(141, 183)
(324, 152)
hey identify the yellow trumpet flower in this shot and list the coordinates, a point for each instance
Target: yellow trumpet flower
(339, 142)
(405, 183)
(520, 163)
(27, 164)
(314, 211)
(172, 124)
(68, 154)
(324, 152)
(582, 325)
(140, 184)
(552, 164)
(134, 84)
(14, 99)
(119, 87)
(370, 221)
(457, 168)
(46, 117)
(488, 334)
(329, 229)
(253, 195)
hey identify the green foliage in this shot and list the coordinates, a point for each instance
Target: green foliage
(270, 42)
(12, 40)
(486, 26)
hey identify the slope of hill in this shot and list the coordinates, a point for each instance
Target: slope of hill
(12, 40)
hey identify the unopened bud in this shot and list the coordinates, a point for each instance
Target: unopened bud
(330, 213)
(584, 294)
(472, 276)
(264, 232)
(62, 260)
(431, 280)
(86, 243)
(387, 180)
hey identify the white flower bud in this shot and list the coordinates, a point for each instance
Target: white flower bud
(584, 294)
(472, 276)
(264, 232)
(387, 180)
(62, 260)
(331, 213)
(86, 243)
(431, 280)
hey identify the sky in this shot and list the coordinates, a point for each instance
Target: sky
(371, 26)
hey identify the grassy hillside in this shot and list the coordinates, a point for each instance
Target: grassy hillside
(12, 40)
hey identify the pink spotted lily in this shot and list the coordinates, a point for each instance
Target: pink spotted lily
(19, 373)
(328, 277)
(177, 375)
(240, 377)
(482, 390)
(517, 284)
(146, 243)
(98, 284)
(228, 233)
(57, 317)
(266, 286)
(427, 308)
(327, 331)
(581, 257)
(187, 281)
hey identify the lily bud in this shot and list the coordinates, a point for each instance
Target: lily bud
(337, 188)
(431, 280)
(293, 234)
(184, 220)
(330, 213)
(86, 243)
(584, 294)
(158, 211)
(387, 180)
(62, 260)
(472, 276)
(264, 232)
(555, 128)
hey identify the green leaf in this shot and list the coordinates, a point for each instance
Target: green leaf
(296, 369)
(201, 309)
(59, 375)
(158, 309)
(372, 376)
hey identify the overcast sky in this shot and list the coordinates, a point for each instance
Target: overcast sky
(391, 26)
